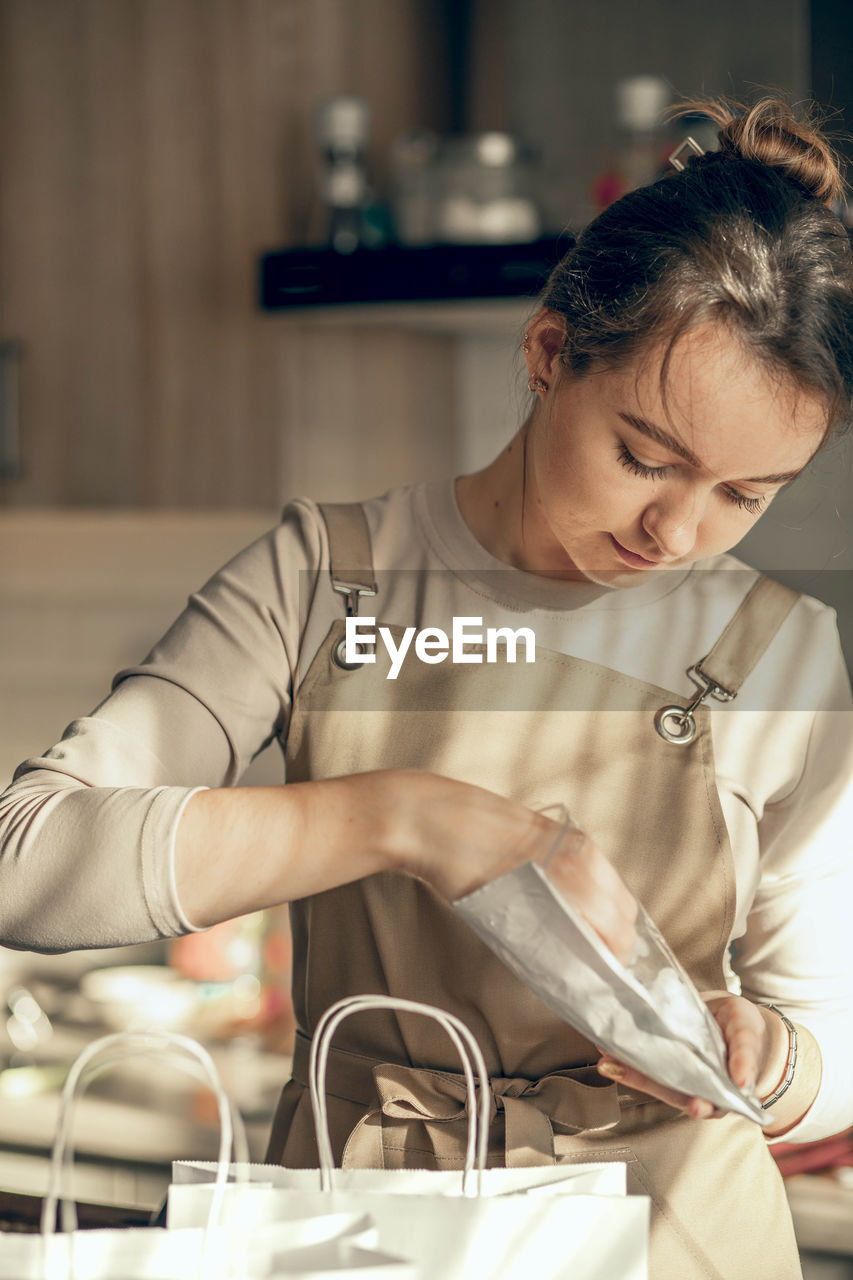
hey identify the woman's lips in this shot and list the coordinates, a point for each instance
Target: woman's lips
(631, 557)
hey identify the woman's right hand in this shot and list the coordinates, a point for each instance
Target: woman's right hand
(457, 837)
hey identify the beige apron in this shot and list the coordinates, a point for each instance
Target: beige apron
(560, 729)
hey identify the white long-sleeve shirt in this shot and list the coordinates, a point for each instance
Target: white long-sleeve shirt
(87, 831)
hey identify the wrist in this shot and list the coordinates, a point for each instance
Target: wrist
(781, 1060)
(377, 821)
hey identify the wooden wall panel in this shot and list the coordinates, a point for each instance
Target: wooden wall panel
(38, 248)
(149, 151)
(104, 320)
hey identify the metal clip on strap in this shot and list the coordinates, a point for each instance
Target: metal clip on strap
(353, 591)
(734, 655)
(677, 724)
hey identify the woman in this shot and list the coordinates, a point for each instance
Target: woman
(691, 354)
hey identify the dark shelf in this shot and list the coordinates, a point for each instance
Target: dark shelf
(394, 273)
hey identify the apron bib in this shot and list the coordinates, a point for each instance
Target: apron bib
(634, 764)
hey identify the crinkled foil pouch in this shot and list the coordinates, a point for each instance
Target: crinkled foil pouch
(647, 1013)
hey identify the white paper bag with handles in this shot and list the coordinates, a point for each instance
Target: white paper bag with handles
(323, 1245)
(190, 1192)
(496, 1224)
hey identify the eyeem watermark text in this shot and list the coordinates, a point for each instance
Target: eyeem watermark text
(433, 645)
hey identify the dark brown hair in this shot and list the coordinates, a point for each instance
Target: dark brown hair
(744, 236)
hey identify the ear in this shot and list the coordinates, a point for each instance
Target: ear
(546, 338)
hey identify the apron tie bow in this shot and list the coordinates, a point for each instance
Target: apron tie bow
(572, 1101)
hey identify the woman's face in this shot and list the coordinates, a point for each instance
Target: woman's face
(623, 482)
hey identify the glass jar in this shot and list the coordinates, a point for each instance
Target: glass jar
(466, 189)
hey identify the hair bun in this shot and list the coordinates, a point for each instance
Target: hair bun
(770, 133)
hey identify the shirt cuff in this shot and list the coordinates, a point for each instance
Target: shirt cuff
(158, 861)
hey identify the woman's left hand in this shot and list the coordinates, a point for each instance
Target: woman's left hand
(756, 1041)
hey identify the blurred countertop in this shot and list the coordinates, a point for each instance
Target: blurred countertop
(143, 1111)
(132, 1120)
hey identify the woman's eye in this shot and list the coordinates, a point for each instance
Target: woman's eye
(741, 500)
(753, 505)
(639, 468)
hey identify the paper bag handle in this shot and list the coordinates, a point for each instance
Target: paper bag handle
(99, 1056)
(466, 1046)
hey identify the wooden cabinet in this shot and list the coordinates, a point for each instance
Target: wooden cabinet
(149, 151)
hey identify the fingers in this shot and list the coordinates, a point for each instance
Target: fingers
(696, 1108)
(743, 1030)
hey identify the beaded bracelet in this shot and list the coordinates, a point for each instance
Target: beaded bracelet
(790, 1064)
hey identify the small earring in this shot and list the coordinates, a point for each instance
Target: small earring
(535, 383)
(525, 343)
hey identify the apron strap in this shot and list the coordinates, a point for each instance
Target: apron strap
(721, 672)
(747, 636)
(350, 552)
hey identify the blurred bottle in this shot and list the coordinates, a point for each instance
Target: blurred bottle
(640, 104)
(414, 187)
(347, 217)
(643, 139)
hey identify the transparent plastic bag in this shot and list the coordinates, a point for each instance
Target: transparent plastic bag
(645, 1012)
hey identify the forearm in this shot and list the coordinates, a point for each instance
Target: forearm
(243, 849)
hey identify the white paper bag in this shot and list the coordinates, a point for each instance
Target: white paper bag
(155, 1253)
(190, 1192)
(508, 1237)
(318, 1244)
(336, 1258)
(496, 1224)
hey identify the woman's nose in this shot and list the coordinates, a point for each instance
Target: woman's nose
(673, 521)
